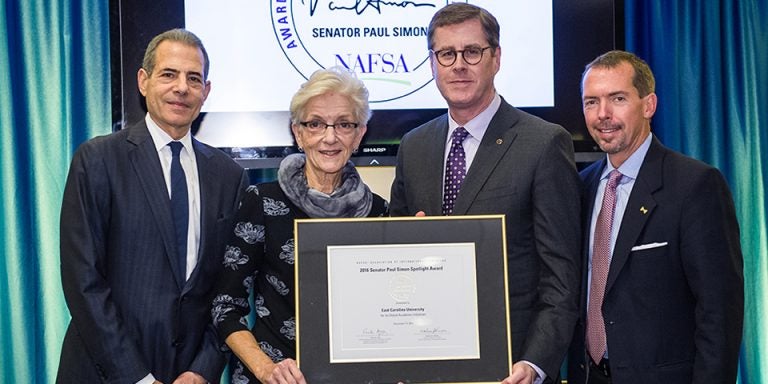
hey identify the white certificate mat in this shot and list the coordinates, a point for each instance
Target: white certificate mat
(402, 299)
(402, 302)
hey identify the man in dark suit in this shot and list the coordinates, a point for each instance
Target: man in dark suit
(515, 164)
(662, 288)
(137, 280)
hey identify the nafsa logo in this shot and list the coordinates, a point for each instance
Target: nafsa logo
(384, 42)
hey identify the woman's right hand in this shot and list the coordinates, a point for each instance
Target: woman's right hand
(286, 371)
(247, 349)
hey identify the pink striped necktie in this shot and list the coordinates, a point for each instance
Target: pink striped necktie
(601, 261)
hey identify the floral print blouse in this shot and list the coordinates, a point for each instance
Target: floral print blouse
(259, 258)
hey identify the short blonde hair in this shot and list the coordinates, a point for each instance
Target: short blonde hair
(334, 79)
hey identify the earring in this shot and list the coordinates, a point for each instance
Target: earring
(301, 149)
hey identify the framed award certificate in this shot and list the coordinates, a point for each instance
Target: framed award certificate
(414, 300)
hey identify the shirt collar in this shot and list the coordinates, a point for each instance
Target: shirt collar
(161, 138)
(479, 124)
(631, 167)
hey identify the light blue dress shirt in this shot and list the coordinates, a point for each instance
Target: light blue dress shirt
(629, 169)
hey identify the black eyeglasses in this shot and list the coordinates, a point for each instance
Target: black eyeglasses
(471, 55)
(317, 127)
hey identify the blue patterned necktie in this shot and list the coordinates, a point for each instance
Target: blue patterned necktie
(180, 207)
(455, 170)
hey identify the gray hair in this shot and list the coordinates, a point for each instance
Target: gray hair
(334, 79)
(176, 35)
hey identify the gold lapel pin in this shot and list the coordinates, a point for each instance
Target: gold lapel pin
(643, 210)
(499, 141)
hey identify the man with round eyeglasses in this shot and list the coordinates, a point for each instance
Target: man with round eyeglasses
(471, 55)
(511, 163)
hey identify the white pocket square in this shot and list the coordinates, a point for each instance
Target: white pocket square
(648, 246)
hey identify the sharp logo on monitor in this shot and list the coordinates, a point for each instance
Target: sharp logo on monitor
(384, 42)
(374, 150)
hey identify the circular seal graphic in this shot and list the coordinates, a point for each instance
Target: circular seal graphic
(383, 42)
(401, 287)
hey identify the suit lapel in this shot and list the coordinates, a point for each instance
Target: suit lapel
(496, 142)
(639, 209)
(146, 162)
(435, 163)
(208, 212)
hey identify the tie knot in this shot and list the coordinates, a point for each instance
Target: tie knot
(613, 178)
(176, 147)
(459, 134)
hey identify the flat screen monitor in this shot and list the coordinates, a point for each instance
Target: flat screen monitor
(262, 51)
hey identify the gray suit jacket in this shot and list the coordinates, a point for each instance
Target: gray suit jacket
(130, 314)
(673, 309)
(523, 169)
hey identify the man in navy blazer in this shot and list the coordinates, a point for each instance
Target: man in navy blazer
(517, 165)
(140, 308)
(673, 297)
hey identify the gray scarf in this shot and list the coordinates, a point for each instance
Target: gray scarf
(351, 199)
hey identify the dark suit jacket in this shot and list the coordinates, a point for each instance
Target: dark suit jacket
(523, 169)
(673, 314)
(130, 314)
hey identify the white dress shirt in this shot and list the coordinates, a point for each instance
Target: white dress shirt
(189, 163)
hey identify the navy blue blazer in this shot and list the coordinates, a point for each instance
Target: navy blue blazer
(674, 300)
(130, 314)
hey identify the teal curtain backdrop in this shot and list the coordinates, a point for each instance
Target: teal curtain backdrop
(54, 94)
(710, 58)
(711, 64)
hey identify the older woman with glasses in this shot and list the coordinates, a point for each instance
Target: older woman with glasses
(329, 114)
